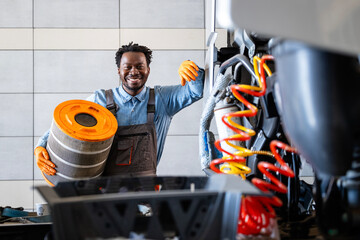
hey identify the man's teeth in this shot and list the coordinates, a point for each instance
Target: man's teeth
(134, 78)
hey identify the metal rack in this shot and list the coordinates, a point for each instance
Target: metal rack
(183, 208)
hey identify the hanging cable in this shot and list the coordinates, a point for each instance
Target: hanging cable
(256, 213)
(234, 163)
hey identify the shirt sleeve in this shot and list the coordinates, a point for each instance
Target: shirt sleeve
(98, 97)
(43, 139)
(178, 97)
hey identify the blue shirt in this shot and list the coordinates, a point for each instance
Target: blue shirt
(133, 109)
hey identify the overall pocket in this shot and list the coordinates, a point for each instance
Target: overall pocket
(132, 148)
(125, 149)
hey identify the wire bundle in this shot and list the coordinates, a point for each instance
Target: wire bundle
(234, 163)
(256, 212)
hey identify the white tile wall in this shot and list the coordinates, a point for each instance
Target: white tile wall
(16, 38)
(186, 122)
(162, 14)
(74, 71)
(17, 194)
(44, 108)
(16, 13)
(165, 65)
(16, 70)
(16, 158)
(77, 39)
(180, 157)
(37, 197)
(16, 118)
(76, 14)
(166, 39)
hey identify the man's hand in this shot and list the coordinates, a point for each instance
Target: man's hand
(188, 71)
(43, 161)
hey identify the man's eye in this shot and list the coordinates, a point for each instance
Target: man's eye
(140, 67)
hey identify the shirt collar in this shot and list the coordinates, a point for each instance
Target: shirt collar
(127, 97)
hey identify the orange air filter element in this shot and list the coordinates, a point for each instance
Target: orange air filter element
(85, 120)
(80, 140)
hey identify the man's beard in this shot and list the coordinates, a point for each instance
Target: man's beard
(136, 87)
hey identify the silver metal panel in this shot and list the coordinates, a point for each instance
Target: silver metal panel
(306, 169)
(79, 13)
(330, 24)
(162, 14)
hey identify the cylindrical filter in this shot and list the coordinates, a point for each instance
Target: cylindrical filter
(224, 132)
(80, 140)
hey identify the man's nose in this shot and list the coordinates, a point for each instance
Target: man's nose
(134, 71)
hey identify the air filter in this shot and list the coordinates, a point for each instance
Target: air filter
(80, 139)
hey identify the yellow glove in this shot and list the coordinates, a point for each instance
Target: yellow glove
(188, 71)
(43, 161)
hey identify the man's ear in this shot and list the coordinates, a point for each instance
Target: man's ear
(119, 71)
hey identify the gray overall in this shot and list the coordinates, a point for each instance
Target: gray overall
(133, 152)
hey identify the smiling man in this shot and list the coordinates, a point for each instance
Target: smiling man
(143, 114)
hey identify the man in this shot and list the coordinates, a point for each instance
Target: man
(140, 138)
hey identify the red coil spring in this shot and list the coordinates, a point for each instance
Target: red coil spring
(244, 135)
(256, 212)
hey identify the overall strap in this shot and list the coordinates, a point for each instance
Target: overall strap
(110, 104)
(113, 107)
(151, 106)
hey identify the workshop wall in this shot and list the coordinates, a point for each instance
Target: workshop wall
(52, 51)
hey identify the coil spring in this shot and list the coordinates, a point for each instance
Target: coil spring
(234, 163)
(256, 213)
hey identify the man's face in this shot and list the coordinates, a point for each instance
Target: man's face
(133, 72)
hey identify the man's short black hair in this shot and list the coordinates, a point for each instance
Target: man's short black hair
(133, 47)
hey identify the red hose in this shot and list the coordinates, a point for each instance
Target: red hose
(256, 213)
(261, 208)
